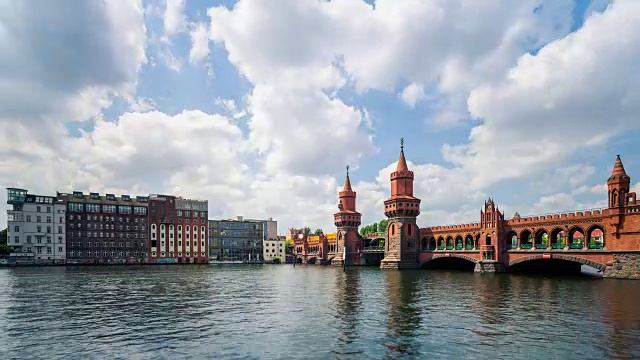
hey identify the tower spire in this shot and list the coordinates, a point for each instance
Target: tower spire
(347, 182)
(402, 162)
(618, 168)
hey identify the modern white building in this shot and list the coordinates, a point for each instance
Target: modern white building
(274, 249)
(36, 227)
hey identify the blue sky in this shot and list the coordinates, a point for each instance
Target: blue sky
(258, 106)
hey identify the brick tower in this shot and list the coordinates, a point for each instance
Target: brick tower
(402, 208)
(347, 220)
(618, 183)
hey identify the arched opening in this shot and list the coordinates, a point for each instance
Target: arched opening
(553, 267)
(432, 243)
(596, 237)
(440, 243)
(541, 240)
(468, 242)
(526, 240)
(487, 240)
(424, 244)
(449, 263)
(409, 229)
(512, 241)
(299, 260)
(393, 229)
(558, 238)
(449, 243)
(459, 244)
(576, 238)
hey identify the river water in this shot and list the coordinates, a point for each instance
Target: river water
(311, 312)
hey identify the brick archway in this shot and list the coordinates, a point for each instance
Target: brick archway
(452, 255)
(575, 259)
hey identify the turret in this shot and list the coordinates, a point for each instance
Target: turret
(347, 220)
(618, 183)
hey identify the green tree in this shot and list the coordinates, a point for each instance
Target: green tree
(3, 236)
(382, 226)
(318, 231)
(308, 229)
(288, 243)
(374, 227)
(4, 249)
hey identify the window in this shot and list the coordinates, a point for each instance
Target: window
(28, 218)
(37, 208)
(59, 229)
(94, 208)
(140, 210)
(124, 209)
(38, 219)
(48, 209)
(29, 239)
(48, 249)
(16, 239)
(59, 248)
(61, 220)
(16, 228)
(111, 209)
(75, 207)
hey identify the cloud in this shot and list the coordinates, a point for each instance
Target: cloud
(199, 43)
(568, 88)
(412, 94)
(174, 17)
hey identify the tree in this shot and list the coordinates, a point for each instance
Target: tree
(4, 249)
(288, 243)
(318, 231)
(382, 226)
(3, 236)
(307, 229)
(374, 227)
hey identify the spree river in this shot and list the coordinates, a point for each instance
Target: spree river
(311, 312)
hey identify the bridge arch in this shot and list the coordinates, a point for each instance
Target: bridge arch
(451, 261)
(541, 238)
(595, 236)
(459, 245)
(468, 242)
(526, 239)
(576, 237)
(575, 259)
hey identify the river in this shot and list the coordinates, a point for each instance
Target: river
(311, 312)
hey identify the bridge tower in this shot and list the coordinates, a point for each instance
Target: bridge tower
(347, 220)
(402, 208)
(618, 183)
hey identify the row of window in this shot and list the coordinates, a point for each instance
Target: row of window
(16, 229)
(107, 235)
(187, 243)
(106, 253)
(195, 214)
(121, 244)
(95, 226)
(106, 218)
(107, 209)
(171, 254)
(49, 250)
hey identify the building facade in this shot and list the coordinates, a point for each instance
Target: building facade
(274, 250)
(36, 228)
(238, 240)
(315, 249)
(106, 229)
(179, 230)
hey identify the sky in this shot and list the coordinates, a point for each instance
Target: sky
(257, 106)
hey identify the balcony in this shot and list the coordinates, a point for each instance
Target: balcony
(526, 246)
(596, 245)
(575, 246)
(541, 246)
(557, 246)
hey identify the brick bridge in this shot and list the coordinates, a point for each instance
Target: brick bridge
(606, 239)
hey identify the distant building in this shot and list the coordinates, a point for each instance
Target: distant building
(105, 229)
(179, 230)
(36, 227)
(275, 250)
(240, 239)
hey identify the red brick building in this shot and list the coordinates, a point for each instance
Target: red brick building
(178, 230)
(105, 229)
(347, 221)
(607, 239)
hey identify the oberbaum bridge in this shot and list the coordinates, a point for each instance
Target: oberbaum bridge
(607, 240)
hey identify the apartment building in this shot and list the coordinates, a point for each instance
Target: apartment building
(35, 228)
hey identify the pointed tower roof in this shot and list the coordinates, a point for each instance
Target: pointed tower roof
(347, 182)
(402, 162)
(618, 168)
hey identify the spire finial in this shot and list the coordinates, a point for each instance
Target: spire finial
(347, 170)
(401, 144)
(618, 156)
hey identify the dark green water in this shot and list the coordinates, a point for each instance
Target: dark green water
(309, 312)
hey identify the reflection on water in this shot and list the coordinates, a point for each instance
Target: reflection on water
(311, 312)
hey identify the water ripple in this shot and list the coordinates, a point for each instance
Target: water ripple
(308, 312)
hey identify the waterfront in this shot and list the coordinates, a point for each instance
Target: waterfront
(310, 312)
